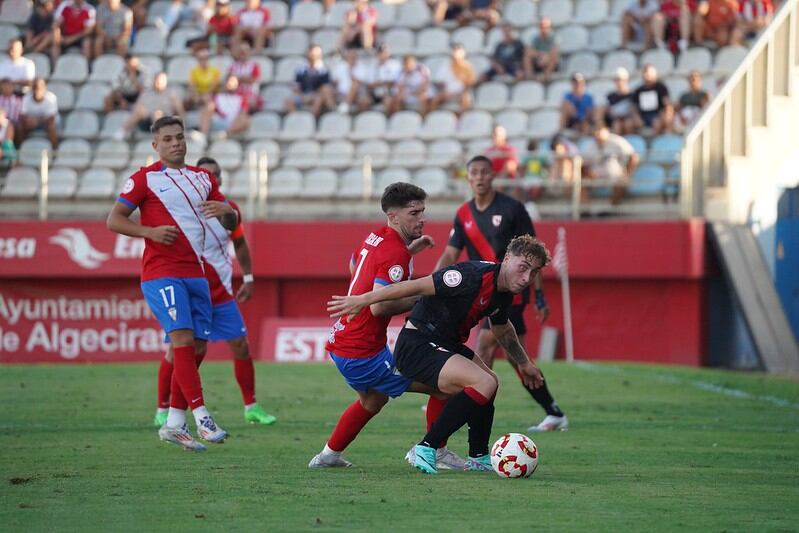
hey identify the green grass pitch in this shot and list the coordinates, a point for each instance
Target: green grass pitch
(650, 449)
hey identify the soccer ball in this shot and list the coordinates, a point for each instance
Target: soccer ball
(514, 455)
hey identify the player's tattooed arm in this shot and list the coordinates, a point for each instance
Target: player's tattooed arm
(352, 305)
(507, 338)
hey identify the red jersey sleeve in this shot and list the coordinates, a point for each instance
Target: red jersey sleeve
(238, 232)
(394, 266)
(134, 190)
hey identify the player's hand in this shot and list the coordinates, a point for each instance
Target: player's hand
(214, 209)
(163, 234)
(541, 306)
(244, 293)
(531, 375)
(422, 243)
(345, 305)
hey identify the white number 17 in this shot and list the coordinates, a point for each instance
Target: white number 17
(169, 300)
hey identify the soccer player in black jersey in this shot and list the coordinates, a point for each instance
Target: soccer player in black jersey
(430, 348)
(484, 226)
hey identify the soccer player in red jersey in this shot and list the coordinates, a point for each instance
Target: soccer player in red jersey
(484, 226)
(227, 323)
(430, 347)
(358, 345)
(176, 202)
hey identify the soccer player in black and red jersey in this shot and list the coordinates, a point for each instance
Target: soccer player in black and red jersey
(430, 347)
(484, 226)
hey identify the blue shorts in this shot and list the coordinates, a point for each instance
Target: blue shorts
(180, 303)
(377, 372)
(227, 322)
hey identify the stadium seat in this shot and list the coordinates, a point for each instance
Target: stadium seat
(42, 63)
(287, 68)
(400, 41)
(72, 68)
(639, 144)
(520, 13)
(112, 123)
(513, 120)
(156, 11)
(491, 96)
(617, 8)
(527, 95)
(111, 154)
(285, 183)
(439, 124)
(274, 97)
(337, 15)
(665, 149)
(30, 153)
(474, 124)
(619, 58)
(432, 41)
(572, 39)
(480, 62)
(62, 182)
(559, 11)
(302, 154)
(319, 183)
(238, 185)
(15, 11)
(662, 60)
(8, 32)
(477, 146)
(444, 152)
(390, 175)
(153, 63)
(337, 154)
(599, 90)
(647, 180)
(327, 39)
(291, 42)
(227, 153)
(605, 38)
(585, 62)
(410, 153)
(106, 68)
(223, 62)
(92, 96)
(590, 12)
(260, 147)
(728, 59)
(433, 180)
(264, 125)
(278, 13)
(386, 14)
(333, 126)
(149, 41)
(64, 94)
(544, 124)
(368, 125)
(695, 58)
(74, 153)
(557, 90)
(494, 37)
(435, 63)
(141, 151)
(413, 14)
(21, 182)
(179, 67)
(297, 125)
(676, 85)
(470, 37)
(177, 40)
(195, 149)
(352, 183)
(376, 149)
(96, 183)
(306, 15)
(81, 123)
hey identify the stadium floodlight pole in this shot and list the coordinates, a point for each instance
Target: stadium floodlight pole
(44, 189)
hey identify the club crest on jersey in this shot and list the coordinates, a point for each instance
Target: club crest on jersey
(128, 186)
(173, 313)
(395, 273)
(452, 278)
(496, 220)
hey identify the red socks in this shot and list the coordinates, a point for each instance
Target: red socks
(164, 383)
(186, 379)
(352, 421)
(245, 375)
(434, 408)
(476, 395)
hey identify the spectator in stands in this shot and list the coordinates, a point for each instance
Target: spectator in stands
(534, 165)
(360, 27)
(114, 25)
(455, 78)
(754, 15)
(10, 103)
(577, 109)
(544, 54)
(448, 10)
(8, 152)
(252, 25)
(128, 85)
(562, 164)
(73, 25)
(674, 19)
(385, 75)
(637, 19)
(618, 113)
(39, 111)
(180, 10)
(351, 78)
(227, 113)
(152, 104)
(691, 102)
(39, 34)
(248, 72)
(19, 69)
(609, 158)
(312, 87)
(486, 11)
(508, 58)
(221, 27)
(139, 10)
(717, 22)
(413, 87)
(204, 80)
(503, 156)
(653, 107)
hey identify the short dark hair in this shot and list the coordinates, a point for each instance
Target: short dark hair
(169, 120)
(528, 246)
(400, 194)
(479, 159)
(205, 160)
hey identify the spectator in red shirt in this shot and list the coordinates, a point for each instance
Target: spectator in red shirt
(360, 27)
(252, 24)
(227, 112)
(754, 16)
(248, 73)
(221, 27)
(73, 25)
(504, 160)
(674, 16)
(718, 22)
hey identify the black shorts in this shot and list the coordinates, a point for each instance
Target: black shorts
(420, 357)
(516, 317)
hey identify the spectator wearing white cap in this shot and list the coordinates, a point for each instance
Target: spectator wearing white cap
(617, 113)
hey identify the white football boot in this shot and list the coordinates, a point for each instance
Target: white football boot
(550, 423)
(181, 437)
(322, 460)
(209, 431)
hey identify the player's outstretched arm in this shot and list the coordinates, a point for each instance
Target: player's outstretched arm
(119, 221)
(244, 258)
(352, 305)
(448, 257)
(422, 243)
(507, 338)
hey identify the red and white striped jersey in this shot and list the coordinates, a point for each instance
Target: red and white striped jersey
(218, 262)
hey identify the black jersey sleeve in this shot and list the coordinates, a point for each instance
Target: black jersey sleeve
(457, 238)
(500, 316)
(456, 280)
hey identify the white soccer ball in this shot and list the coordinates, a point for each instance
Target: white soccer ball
(514, 455)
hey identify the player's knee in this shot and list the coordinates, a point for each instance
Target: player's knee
(374, 402)
(487, 385)
(240, 348)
